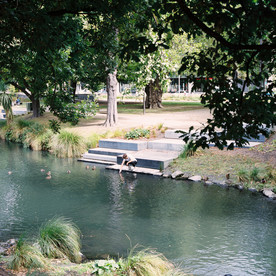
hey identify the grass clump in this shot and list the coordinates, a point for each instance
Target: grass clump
(146, 263)
(26, 256)
(68, 144)
(188, 150)
(60, 238)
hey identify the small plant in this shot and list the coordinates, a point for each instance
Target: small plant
(93, 140)
(254, 174)
(137, 133)
(188, 150)
(243, 175)
(160, 126)
(54, 126)
(59, 238)
(26, 256)
(104, 267)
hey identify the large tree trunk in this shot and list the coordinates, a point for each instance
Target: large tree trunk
(154, 94)
(35, 106)
(112, 89)
(74, 88)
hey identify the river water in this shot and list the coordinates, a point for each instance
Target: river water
(207, 231)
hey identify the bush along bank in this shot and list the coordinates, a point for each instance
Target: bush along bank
(40, 137)
(50, 137)
(56, 251)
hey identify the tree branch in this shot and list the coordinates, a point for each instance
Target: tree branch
(23, 89)
(217, 36)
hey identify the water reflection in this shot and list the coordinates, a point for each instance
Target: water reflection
(208, 230)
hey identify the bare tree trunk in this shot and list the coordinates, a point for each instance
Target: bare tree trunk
(35, 106)
(73, 87)
(112, 89)
(154, 94)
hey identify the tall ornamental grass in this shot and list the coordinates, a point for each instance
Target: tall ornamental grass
(26, 256)
(68, 144)
(60, 238)
(147, 263)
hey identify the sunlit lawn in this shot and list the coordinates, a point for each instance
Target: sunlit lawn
(137, 108)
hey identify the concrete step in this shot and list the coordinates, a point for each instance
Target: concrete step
(130, 145)
(152, 159)
(167, 144)
(107, 151)
(171, 134)
(136, 170)
(100, 157)
(97, 161)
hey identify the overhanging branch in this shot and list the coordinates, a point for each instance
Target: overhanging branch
(217, 36)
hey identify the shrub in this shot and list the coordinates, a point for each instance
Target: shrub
(137, 133)
(59, 238)
(54, 126)
(68, 144)
(26, 256)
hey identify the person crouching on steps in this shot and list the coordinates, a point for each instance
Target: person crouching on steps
(130, 161)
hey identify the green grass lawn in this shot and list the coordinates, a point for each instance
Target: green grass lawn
(137, 108)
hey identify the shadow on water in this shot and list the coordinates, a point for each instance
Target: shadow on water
(207, 230)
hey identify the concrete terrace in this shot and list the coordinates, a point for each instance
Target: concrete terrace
(153, 156)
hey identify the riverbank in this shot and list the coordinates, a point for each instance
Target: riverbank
(251, 167)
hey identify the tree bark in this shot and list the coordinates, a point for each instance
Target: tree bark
(154, 94)
(35, 106)
(112, 89)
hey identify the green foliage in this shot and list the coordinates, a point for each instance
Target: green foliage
(93, 140)
(188, 150)
(54, 126)
(254, 174)
(59, 238)
(257, 177)
(243, 175)
(26, 256)
(62, 105)
(106, 267)
(6, 102)
(68, 144)
(160, 126)
(137, 133)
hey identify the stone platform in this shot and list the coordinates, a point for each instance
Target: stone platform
(151, 155)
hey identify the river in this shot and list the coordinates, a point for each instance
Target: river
(207, 231)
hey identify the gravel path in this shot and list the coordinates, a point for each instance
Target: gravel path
(176, 120)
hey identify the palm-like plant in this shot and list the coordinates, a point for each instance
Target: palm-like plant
(6, 102)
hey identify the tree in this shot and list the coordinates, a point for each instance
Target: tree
(235, 70)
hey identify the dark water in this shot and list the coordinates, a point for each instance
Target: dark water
(207, 231)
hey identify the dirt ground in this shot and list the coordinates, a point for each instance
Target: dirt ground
(177, 120)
